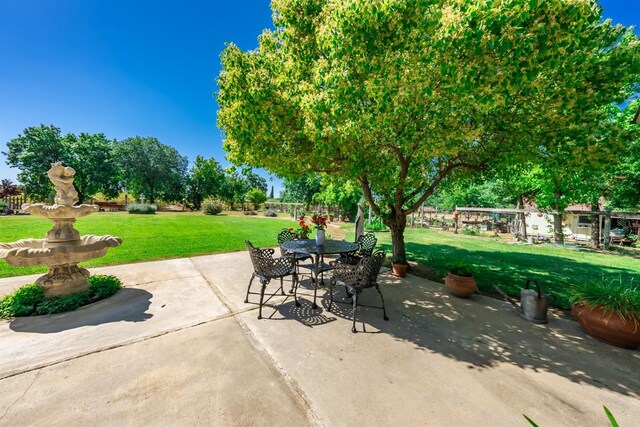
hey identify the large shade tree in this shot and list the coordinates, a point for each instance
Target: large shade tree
(404, 95)
(151, 168)
(89, 154)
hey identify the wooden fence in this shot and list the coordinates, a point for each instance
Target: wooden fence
(14, 202)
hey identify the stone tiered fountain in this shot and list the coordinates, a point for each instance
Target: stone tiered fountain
(62, 248)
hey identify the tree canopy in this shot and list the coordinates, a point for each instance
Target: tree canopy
(151, 168)
(403, 95)
(90, 155)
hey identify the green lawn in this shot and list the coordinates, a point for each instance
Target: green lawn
(509, 265)
(168, 235)
(151, 237)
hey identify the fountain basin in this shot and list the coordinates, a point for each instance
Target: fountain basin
(60, 211)
(32, 252)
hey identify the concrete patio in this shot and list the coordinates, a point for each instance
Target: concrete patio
(178, 346)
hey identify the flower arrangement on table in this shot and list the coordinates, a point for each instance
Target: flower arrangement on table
(319, 221)
(302, 231)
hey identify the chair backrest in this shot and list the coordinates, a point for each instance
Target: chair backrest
(262, 259)
(366, 243)
(285, 235)
(371, 267)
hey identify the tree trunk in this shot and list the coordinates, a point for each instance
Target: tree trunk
(595, 227)
(557, 228)
(396, 225)
(523, 217)
(557, 220)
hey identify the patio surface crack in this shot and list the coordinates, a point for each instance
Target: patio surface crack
(22, 396)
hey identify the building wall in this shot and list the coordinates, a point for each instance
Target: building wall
(572, 226)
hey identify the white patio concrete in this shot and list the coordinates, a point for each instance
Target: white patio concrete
(178, 346)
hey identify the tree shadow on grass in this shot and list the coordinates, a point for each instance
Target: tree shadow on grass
(128, 305)
(484, 333)
(510, 270)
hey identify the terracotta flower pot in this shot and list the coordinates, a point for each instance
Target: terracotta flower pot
(399, 270)
(460, 286)
(608, 327)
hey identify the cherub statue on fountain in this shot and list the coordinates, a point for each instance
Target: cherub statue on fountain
(62, 179)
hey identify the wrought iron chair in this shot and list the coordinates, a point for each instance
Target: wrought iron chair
(356, 278)
(366, 243)
(287, 235)
(267, 268)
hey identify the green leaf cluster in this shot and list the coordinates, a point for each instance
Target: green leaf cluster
(29, 300)
(404, 96)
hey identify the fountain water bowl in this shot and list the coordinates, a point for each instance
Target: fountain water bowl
(62, 248)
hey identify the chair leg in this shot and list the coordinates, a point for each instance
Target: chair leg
(355, 312)
(330, 295)
(296, 282)
(246, 299)
(384, 310)
(282, 286)
(264, 285)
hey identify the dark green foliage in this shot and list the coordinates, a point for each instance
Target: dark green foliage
(151, 168)
(103, 286)
(29, 300)
(141, 208)
(91, 156)
(22, 302)
(615, 296)
(461, 268)
(212, 206)
(270, 213)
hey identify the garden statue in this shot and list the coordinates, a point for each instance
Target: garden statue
(63, 247)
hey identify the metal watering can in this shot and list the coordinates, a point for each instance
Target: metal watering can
(533, 303)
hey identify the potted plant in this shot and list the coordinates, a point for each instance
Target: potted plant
(399, 266)
(303, 230)
(461, 281)
(608, 310)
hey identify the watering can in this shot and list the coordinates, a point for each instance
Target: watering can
(533, 303)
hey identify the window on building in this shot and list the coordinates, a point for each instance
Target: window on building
(584, 221)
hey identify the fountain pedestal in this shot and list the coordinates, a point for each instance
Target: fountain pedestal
(63, 247)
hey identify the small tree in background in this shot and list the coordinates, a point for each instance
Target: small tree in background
(256, 196)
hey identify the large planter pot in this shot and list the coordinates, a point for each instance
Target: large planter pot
(399, 270)
(608, 327)
(460, 286)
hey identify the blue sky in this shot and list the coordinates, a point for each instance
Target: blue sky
(136, 67)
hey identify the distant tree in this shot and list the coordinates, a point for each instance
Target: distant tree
(301, 189)
(271, 195)
(234, 189)
(255, 196)
(338, 192)
(254, 180)
(206, 179)
(32, 153)
(151, 168)
(92, 158)
(90, 155)
(8, 188)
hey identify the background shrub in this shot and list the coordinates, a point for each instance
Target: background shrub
(141, 208)
(250, 213)
(212, 206)
(270, 213)
(29, 300)
(375, 225)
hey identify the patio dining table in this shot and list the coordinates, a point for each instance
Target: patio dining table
(309, 246)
